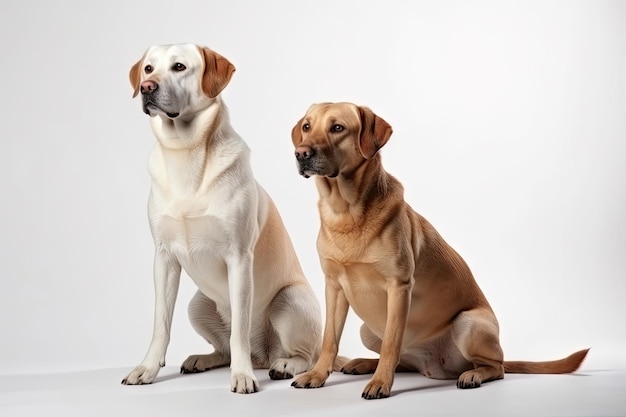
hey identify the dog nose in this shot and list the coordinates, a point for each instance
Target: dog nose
(303, 153)
(148, 87)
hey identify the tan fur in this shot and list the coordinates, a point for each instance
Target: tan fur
(135, 76)
(421, 308)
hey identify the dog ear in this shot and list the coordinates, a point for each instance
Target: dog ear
(217, 72)
(135, 76)
(296, 133)
(375, 132)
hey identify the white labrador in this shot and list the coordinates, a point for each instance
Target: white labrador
(210, 217)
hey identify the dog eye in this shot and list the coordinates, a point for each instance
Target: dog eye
(148, 69)
(179, 67)
(306, 127)
(336, 128)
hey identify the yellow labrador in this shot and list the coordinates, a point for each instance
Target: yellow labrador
(211, 218)
(421, 307)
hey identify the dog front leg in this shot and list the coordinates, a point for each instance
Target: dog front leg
(166, 281)
(398, 301)
(336, 313)
(240, 287)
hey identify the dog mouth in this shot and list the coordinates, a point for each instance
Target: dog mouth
(307, 170)
(306, 174)
(152, 109)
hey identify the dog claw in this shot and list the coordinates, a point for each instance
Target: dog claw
(280, 375)
(468, 382)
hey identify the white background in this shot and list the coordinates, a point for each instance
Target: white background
(509, 136)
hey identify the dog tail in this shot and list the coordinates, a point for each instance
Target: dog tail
(559, 366)
(340, 361)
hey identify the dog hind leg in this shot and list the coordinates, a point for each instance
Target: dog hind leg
(475, 334)
(361, 366)
(296, 321)
(206, 320)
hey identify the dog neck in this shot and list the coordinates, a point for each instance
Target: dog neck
(190, 153)
(346, 199)
(187, 131)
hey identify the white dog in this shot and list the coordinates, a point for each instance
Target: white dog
(209, 217)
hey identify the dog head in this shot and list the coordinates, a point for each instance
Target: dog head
(175, 80)
(336, 138)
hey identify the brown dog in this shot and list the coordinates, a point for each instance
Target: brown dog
(421, 307)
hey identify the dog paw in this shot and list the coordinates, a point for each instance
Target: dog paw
(311, 379)
(360, 366)
(281, 369)
(243, 384)
(376, 389)
(469, 379)
(141, 375)
(286, 368)
(200, 363)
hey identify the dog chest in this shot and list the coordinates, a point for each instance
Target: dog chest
(199, 245)
(190, 233)
(363, 287)
(192, 239)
